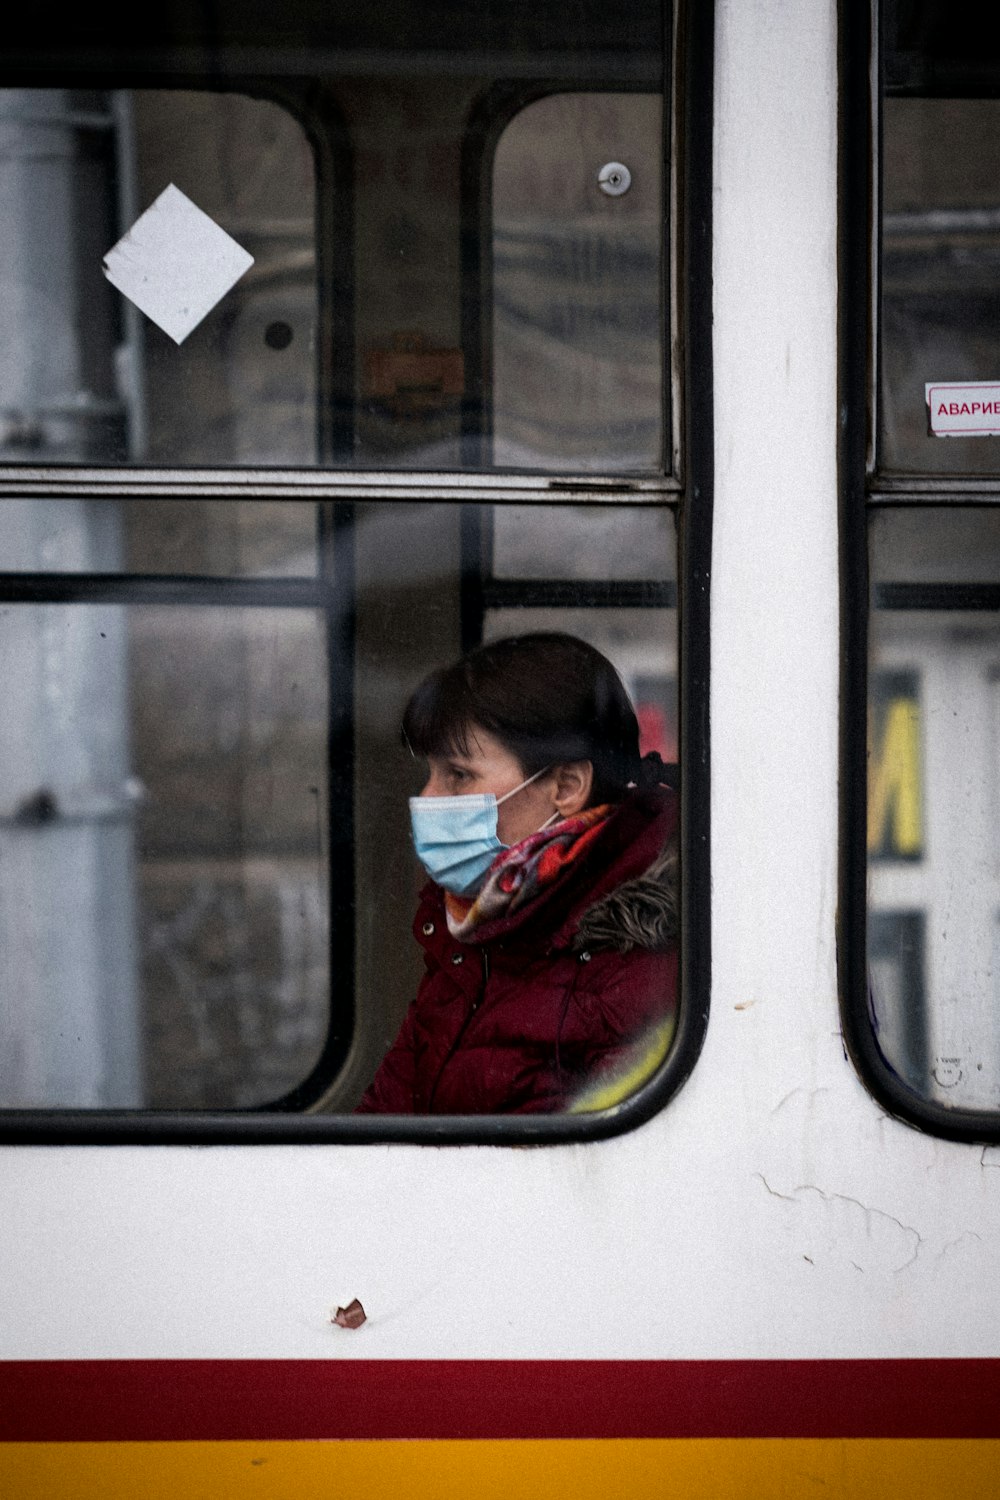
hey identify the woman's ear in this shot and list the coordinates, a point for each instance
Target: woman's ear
(574, 784)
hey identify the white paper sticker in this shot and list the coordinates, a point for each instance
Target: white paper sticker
(961, 409)
(175, 263)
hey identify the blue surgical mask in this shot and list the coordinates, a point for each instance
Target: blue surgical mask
(456, 837)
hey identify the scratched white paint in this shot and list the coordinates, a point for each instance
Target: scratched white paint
(175, 263)
(770, 1210)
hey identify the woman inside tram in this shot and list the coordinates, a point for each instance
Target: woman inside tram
(549, 923)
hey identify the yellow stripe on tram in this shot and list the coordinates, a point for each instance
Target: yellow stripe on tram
(716, 1468)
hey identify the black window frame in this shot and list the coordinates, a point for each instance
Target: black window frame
(866, 491)
(688, 62)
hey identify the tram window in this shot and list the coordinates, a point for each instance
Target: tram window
(441, 279)
(413, 609)
(923, 1010)
(86, 376)
(522, 324)
(940, 290)
(465, 240)
(577, 285)
(165, 906)
(934, 799)
(169, 880)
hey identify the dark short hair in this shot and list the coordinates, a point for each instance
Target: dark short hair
(547, 697)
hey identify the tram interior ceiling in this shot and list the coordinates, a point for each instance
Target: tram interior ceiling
(449, 246)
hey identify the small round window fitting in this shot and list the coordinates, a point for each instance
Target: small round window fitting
(614, 178)
(278, 335)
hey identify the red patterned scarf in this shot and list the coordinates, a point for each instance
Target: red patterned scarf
(519, 873)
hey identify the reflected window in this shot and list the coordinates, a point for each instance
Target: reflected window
(577, 356)
(924, 1018)
(86, 376)
(431, 270)
(165, 897)
(224, 538)
(940, 288)
(934, 800)
(165, 907)
(445, 248)
(618, 543)
(181, 900)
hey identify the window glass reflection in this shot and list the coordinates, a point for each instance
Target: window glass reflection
(85, 376)
(934, 803)
(164, 902)
(493, 294)
(221, 538)
(641, 643)
(940, 261)
(181, 779)
(577, 315)
(593, 541)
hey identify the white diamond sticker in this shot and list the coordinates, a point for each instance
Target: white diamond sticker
(175, 263)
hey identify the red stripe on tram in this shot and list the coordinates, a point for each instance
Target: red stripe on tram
(163, 1400)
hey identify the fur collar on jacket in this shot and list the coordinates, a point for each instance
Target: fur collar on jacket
(641, 913)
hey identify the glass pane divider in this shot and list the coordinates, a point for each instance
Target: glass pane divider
(150, 589)
(971, 489)
(221, 484)
(501, 593)
(933, 596)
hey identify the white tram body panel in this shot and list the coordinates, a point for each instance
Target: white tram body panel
(772, 1210)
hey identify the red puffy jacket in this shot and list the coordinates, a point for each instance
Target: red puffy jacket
(537, 1006)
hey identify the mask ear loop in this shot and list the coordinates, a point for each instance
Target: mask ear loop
(520, 788)
(556, 816)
